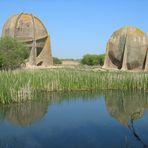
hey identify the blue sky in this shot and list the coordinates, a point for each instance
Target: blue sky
(78, 27)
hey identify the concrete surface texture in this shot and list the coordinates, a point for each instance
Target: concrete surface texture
(127, 50)
(30, 30)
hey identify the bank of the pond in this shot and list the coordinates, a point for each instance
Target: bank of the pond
(18, 86)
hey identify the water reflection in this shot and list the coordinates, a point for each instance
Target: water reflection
(24, 114)
(27, 113)
(123, 106)
(87, 110)
(127, 107)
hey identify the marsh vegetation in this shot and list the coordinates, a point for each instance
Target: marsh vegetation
(18, 86)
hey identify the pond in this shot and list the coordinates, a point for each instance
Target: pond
(105, 119)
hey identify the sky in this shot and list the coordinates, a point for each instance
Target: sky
(79, 27)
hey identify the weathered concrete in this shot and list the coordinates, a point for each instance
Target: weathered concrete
(126, 106)
(127, 50)
(30, 30)
(25, 114)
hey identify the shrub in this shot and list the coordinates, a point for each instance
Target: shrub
(56, 61)
(12, 53)
(93, 59)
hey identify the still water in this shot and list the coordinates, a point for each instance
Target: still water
(112, 119)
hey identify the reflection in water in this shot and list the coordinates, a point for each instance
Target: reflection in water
(131, 127)
(123, 106)
(24, 114)
(127, 107)
(27, 113)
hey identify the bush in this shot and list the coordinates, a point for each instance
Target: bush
(93, 59)
(56, 61)
(12, 53)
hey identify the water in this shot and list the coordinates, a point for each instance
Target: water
(112, 119)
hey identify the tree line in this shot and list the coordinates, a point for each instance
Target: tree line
(14, 53)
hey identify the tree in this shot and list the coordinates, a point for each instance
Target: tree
(101, 59)
(12, 53)
(93, 59)
(56, 61)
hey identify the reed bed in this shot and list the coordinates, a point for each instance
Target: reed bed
(19, 86)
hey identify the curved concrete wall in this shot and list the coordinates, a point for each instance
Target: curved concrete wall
(30, 30)
(127, 50)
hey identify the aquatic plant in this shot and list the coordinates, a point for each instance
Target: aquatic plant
(22, 85)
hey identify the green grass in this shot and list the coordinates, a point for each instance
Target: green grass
(19, 86)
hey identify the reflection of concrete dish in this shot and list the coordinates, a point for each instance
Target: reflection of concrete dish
(30, 30)
(25, 114)
(126, 106)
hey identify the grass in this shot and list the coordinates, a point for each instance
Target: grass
(19, 86)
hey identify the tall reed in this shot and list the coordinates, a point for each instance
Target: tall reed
(18, 86)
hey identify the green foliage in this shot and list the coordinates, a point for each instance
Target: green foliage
(56, 61)
(93, 59)
(19, 86)
(12, 53)
(101, 58)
